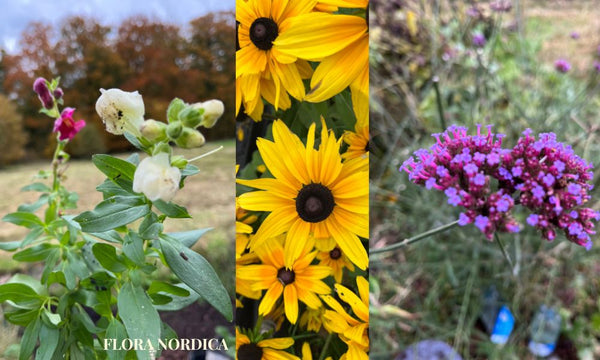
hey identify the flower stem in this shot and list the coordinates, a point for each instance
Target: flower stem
(206, 154)
(416, 238)
(324, 351)
(504, 252)
(438, 98)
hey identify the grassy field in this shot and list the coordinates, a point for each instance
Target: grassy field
(208, 196)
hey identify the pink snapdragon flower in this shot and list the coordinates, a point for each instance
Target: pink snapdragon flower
(66, 126)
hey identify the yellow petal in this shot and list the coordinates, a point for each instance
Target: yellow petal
(250, 60)
(317, 35)
(359, 308)
(276, 223)
(338, 71)
(278, 343)
(263, 201)
(295, 241)
(349, 244)
(290, 300)
(356, 223)
(270, 298)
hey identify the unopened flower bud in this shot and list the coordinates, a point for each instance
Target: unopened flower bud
(191, 117)
(40, 86)
(58, 93)
(121, 111)
(213, 109)
(179, 161)
(174, 108)
(153, 130)
(174, 130)
(190, 138)
(156, 178)
(162, 148)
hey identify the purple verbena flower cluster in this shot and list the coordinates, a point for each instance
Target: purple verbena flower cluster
(543, 175)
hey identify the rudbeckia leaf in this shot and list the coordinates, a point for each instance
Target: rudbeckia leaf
(198, 274)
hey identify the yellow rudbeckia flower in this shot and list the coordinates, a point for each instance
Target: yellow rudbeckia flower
(313, 192)
(262, 71)
(299, 282)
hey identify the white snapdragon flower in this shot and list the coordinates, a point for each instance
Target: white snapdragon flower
(156, 178)
(213, 109)
(121, 111)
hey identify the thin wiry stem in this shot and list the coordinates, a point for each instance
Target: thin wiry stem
(413, 239)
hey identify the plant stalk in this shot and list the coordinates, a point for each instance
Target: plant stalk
(413, 239)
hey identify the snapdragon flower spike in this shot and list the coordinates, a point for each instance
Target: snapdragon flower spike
(553, 182)
(461, 166)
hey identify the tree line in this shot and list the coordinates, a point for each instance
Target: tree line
(194, 62)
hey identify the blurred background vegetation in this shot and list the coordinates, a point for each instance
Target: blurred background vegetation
(194, 61)
(433, 289)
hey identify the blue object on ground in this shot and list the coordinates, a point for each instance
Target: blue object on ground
(505, 322)
(430, 350)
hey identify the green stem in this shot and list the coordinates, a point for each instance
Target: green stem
(438, 98)
(324, 351)
(504, 252)
(413, 239)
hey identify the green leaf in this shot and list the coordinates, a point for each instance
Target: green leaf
(117, 170)
(10, 245)
(51, 318)
(110, 236)
(41, 201)
(50, 336)
(134, 141)
(107, 257)
(189, 238)
(32, 236)
(179, 302)
(114, 167)
(198, 274)
(109, 188)
(84, 319)
(160, 299)
(171, 210)
(22, 317)
(115, 332)
(40, 187)
(133, 248)
(150, 228)
(21, 295)
(113, 212)
(35, 253)
(139, 317)
(25, 219)
(134, 159)
(189, 170)
(29, 339)
(29, 281)
(158, 286)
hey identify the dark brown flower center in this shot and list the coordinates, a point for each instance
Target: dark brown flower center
(286, 276)
(263, 32)
(367, 149)
(314, 203)
(335, 253)
(249, 352)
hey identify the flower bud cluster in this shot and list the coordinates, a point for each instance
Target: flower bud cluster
(48, 92)
(476, 173)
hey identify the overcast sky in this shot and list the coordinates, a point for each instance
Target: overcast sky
(16, 14)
